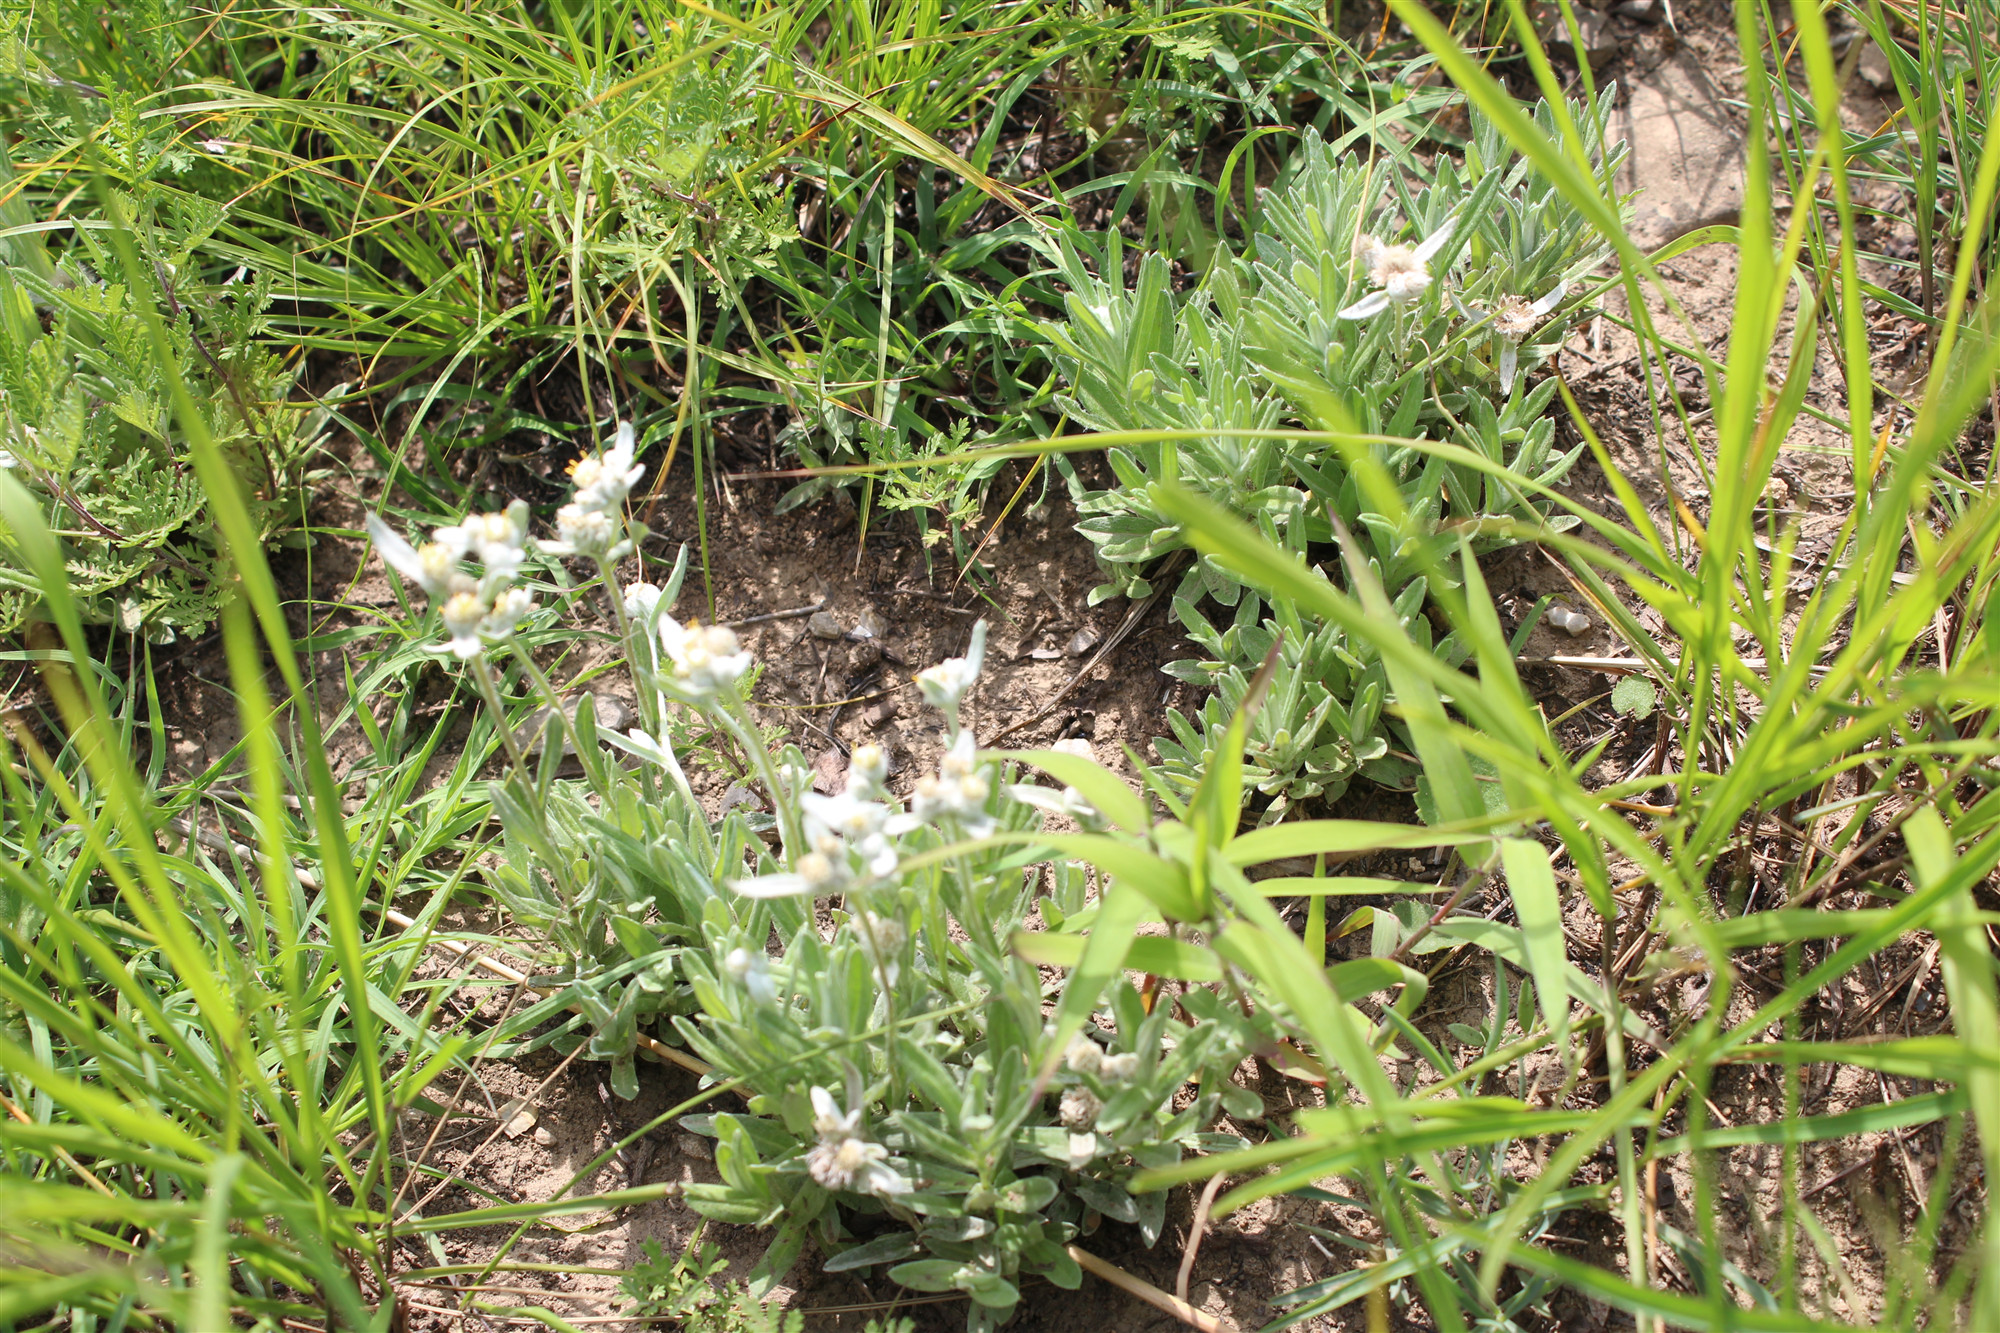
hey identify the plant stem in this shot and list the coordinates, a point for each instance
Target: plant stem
(482, 677)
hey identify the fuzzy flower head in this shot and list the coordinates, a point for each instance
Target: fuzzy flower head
(868, 827)
(475, 612)
(430, 567)
(945, 684)
(751, 970)
(1400, 273)
(706, 658)
(604, 480)
(464, 612)
(1118, 1068)
(1083, 1056)
(881, 939)
(958, 792)
(590, 533)
(509, 609)
(1079, 1108)
(820, 873)
(496, 540)
(843, 1159)
(1514, 322)
(437, 567)
(867, 770)
(470, 622)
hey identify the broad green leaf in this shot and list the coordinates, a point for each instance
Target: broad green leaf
(1162, 882)
(1120, 910)
(1337, 837)
(1538, 907)
(1114, 799)
(1157, 954)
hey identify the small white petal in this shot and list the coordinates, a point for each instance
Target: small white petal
(1367, 307)
(781, 885)
(398, 554)
(1435, 241)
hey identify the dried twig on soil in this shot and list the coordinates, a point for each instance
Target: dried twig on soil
(1195, 1233)
(1149, 1293)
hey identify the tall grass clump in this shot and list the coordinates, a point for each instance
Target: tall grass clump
(201, 1085)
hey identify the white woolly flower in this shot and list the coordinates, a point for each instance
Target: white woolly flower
(589, 533)
(437, 566)
(464, 614)
(820, 873)
(642, 603)
(707, 658)
(498, 540)
(494, 539)
(866, 826)
(1079, 1108)
(959, 790)
(844, 814)
(1401, 273)
(843, 1159)
(867, 770)
(430, 568)
(946, 683)
(752, 971)
(473, 612)
(1118, 1068)
(509, 609)
(1514, 322)
(604, 480)
(881, 939)
(1083, 1056)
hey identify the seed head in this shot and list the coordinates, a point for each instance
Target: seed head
(1079, 1108)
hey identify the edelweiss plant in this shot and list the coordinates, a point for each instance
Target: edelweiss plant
(849, 958)
(1367, 305)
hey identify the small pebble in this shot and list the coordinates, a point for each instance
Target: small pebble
(543, 1137)
(880, 713)
(871, 625)
(1082, 642)
(824, 626)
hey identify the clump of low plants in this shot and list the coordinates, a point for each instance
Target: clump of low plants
(1362, 374)
(847, 958)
